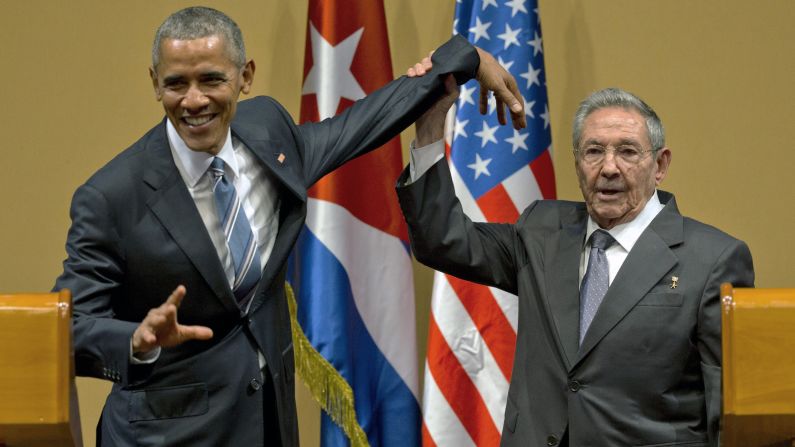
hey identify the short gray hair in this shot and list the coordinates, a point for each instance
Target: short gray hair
(197, 22)
(615, 97)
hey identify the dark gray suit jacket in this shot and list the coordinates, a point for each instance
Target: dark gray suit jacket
(649, 369)
(136, 234)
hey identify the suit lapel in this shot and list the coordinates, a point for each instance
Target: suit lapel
(647, 262)
(173, 206)
(562, 280)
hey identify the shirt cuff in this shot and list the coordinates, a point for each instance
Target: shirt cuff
(421, 159)
(144, 358)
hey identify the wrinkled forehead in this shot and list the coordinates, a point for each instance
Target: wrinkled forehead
(614, 124)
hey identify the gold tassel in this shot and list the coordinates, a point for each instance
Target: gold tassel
(327, 386)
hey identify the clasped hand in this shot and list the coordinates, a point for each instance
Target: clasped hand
(492, 77)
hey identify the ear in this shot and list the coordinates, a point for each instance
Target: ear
(663, 161)
(155, 84)
(248, 76)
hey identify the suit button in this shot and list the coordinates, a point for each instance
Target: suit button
(552, 441)
(255, 385)
(574, 386)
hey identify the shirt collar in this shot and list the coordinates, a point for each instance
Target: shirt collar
(626, 234)
(194, 164)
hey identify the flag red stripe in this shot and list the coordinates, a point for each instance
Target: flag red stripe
(457, 387)
(544, 174)
(427, 440)
(490, 320)
(497, 206)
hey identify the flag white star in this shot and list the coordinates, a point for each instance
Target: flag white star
(518, 140)
(528, 107)
(460, 128)
(455, 26)
(487, 3)
(516, 6)
(465, 96)
(492, 103)
(510, 36)
(545, 116)
(480, 29)
(531, 75)
(480, 166)
(487, 134)
(330, 77)
(536, 44)
(505, 64)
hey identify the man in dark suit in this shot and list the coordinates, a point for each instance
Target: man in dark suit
(204, 210)
(618, 340)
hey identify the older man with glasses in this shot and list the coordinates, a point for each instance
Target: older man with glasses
(619, 318)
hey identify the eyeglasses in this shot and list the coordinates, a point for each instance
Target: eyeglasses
(594, 155)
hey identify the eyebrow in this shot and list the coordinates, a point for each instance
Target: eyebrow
(172, 79)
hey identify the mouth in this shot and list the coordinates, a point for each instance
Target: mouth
(607, 193)
(197, 121)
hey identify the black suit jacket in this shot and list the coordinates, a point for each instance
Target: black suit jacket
(136, 234)
(648, 371)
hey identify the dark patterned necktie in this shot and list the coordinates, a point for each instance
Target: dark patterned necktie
(596, 279)
(239, 238)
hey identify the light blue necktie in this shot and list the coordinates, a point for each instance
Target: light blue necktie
(239, 237)
(596, 279)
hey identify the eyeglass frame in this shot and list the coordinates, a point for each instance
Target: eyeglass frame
(578, 152)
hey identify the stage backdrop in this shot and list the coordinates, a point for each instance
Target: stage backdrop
(75, 92)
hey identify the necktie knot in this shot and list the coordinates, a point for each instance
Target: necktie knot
(601, 239)
(216, 170)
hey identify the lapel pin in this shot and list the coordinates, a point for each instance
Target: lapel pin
(674, 281)
(281, 157)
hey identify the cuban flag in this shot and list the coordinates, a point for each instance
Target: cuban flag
(351, 269)
(497, 172)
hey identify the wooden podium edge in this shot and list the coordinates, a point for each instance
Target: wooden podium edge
(727, 318)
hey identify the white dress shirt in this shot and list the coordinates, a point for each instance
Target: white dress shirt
(255, 189)
(626, 235)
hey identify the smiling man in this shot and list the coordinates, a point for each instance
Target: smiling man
(618, 341)
(196, 219)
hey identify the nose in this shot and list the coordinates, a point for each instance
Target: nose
(194, 100)
(609, 166)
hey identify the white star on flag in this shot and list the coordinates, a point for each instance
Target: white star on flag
(545, 116)
(487, 3)
(505, 64)
(330, 77)
(480, 166)
(516, 6)
(528, 107)
(510, 36)
(531, 75)
(465, 96)
(518, 140)
(480, 29)
(487, 134)
(536, 44)
(460, 129)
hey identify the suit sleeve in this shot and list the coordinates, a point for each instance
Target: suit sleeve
(92, 271)
(383, 114)
(734, 266)
(444, 238)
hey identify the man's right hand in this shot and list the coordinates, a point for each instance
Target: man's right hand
(160, 327)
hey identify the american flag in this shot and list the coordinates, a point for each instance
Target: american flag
(497, 172)
(352, 264)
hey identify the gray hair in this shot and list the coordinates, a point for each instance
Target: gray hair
(197, 22)
(615, 97)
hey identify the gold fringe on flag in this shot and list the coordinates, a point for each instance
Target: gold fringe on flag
(327, 386)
